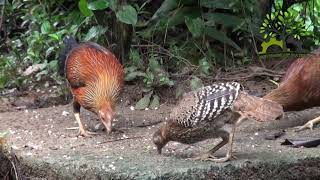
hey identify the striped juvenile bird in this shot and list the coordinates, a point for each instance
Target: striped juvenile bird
(95, 78)
(201, 115)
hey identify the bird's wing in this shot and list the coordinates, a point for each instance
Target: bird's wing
(205, 104)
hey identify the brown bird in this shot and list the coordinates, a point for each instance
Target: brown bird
(300, 87)
(201, 115)
(95, 78)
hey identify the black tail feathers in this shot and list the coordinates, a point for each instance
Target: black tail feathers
(69, 44)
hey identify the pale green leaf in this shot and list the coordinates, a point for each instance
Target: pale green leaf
(155, 103)
(127, 14)
(83, 6)
(195, 83)
(143, 103)
(221, 36)
(195, 26)
(98, 5)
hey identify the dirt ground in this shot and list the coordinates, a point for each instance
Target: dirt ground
(48, 146)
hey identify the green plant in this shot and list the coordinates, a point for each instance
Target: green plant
(153, 76)
(283, 24)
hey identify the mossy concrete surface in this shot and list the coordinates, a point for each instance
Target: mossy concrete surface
(47, 148)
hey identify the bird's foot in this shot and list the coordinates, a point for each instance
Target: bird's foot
(210, 157)
(86, 133)
(202, 157)
(308, 125)
(223, 159)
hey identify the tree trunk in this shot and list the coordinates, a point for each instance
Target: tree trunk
(119, 35)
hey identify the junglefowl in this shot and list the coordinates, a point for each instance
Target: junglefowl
(95, 77)
(201, 115)
(300, 87)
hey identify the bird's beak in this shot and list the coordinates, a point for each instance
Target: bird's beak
(107, 121)
(159, 149)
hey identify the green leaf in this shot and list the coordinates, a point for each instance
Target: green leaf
(98, 5)
(286, 14)
(94, 32)
(133, 75)
(226, 4)
(165, 8)
(179, 15)
(225, 19)
(154, 65)
(136, 59)
(143, 103)
(83, 6)
(195, 26)
(204, 65)
(155, 103)
(195, 83)
(54, 36)
(45, 27)
(222, 37)
(53, 65)
(127, 14)
(281, 18)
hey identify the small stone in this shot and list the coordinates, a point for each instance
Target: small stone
(65, 113)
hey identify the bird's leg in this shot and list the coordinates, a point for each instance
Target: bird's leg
(209, 155)
(231, 136)
(309, 124)
(82, 130)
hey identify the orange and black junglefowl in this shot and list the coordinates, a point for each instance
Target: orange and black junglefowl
(300, 87)
(95, 77)
(201, 115)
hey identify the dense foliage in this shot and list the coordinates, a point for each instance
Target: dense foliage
(160, 39)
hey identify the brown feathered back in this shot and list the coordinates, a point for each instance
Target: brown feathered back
(300, 87)
(95, 75)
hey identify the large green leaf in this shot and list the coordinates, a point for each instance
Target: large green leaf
(221, 36)
(94, 32)
(98, 5)
(165, 8)
(178, 16)
(225, 4)
(83, 6)
(155, 102)
(169, 5)
(45, 27)
(196, 83)
(144, 102)
(195, 26)
(127, 14)
(225, 19)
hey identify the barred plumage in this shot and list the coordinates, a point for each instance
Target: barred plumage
(205, 104)
(202, 114)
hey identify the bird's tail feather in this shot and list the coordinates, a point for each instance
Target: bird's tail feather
(69, 44)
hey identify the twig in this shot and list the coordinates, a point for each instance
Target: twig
(14, 168)
(149, 124)
(72, 128)
(2, 14)
(122, 139)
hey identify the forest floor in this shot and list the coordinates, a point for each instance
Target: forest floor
(48, 147)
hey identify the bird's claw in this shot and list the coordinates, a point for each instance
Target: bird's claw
(86, 133)
(308, 125)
